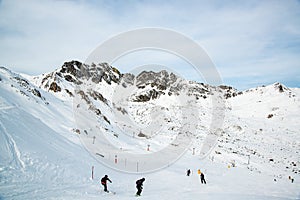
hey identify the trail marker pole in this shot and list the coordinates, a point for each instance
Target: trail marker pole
(248, 159)
(92, 172)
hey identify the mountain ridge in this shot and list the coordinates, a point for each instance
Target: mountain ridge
(160, 80)
(42, 137)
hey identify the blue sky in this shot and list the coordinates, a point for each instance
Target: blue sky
(252, 43)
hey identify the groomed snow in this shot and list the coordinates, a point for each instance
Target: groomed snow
(41, 156)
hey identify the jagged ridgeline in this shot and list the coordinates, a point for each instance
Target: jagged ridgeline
(162, 83)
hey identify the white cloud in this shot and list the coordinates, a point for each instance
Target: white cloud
(256, 40)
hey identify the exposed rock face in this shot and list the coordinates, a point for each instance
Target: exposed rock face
(36, 93)
(84, 96)
(98, 96)
(69, 68)
(155, 84)
(142, 135)
(280, 87)
(127, 79)
(54, 87)
(149, 85)
(152, 94)
(28, 87)
(76, 73)
(162, 80)
(229, 91)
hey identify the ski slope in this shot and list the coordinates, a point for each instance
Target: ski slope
(41, 156)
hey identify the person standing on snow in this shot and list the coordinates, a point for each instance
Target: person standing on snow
(188, 172)
(199, 172)
(202, 178)
(139, 186)
(104, 182)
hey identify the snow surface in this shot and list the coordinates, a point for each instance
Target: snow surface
(41, 156)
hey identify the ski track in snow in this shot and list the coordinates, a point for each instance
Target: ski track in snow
(12, 147)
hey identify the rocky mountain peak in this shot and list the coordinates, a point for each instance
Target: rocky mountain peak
(161, 79)
(280, 87)
(76, 73)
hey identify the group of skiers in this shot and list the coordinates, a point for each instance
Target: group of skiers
(139, 184)
(201, 174)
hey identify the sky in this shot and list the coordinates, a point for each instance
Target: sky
(251, 43)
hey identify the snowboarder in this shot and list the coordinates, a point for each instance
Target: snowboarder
(104, 182)
(188, 172)
(202, 178)
(139, 186)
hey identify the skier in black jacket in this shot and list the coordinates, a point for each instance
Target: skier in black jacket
(188, 172)
(202, 178)
(104, 182)
(139, 186)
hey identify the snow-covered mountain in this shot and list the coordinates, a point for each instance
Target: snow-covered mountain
(44, 130)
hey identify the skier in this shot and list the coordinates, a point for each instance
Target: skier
(198, 172)
(139, 186)
(104, 182)
(202, 178)
(188, 172)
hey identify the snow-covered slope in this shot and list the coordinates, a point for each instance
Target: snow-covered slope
(42, 156)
